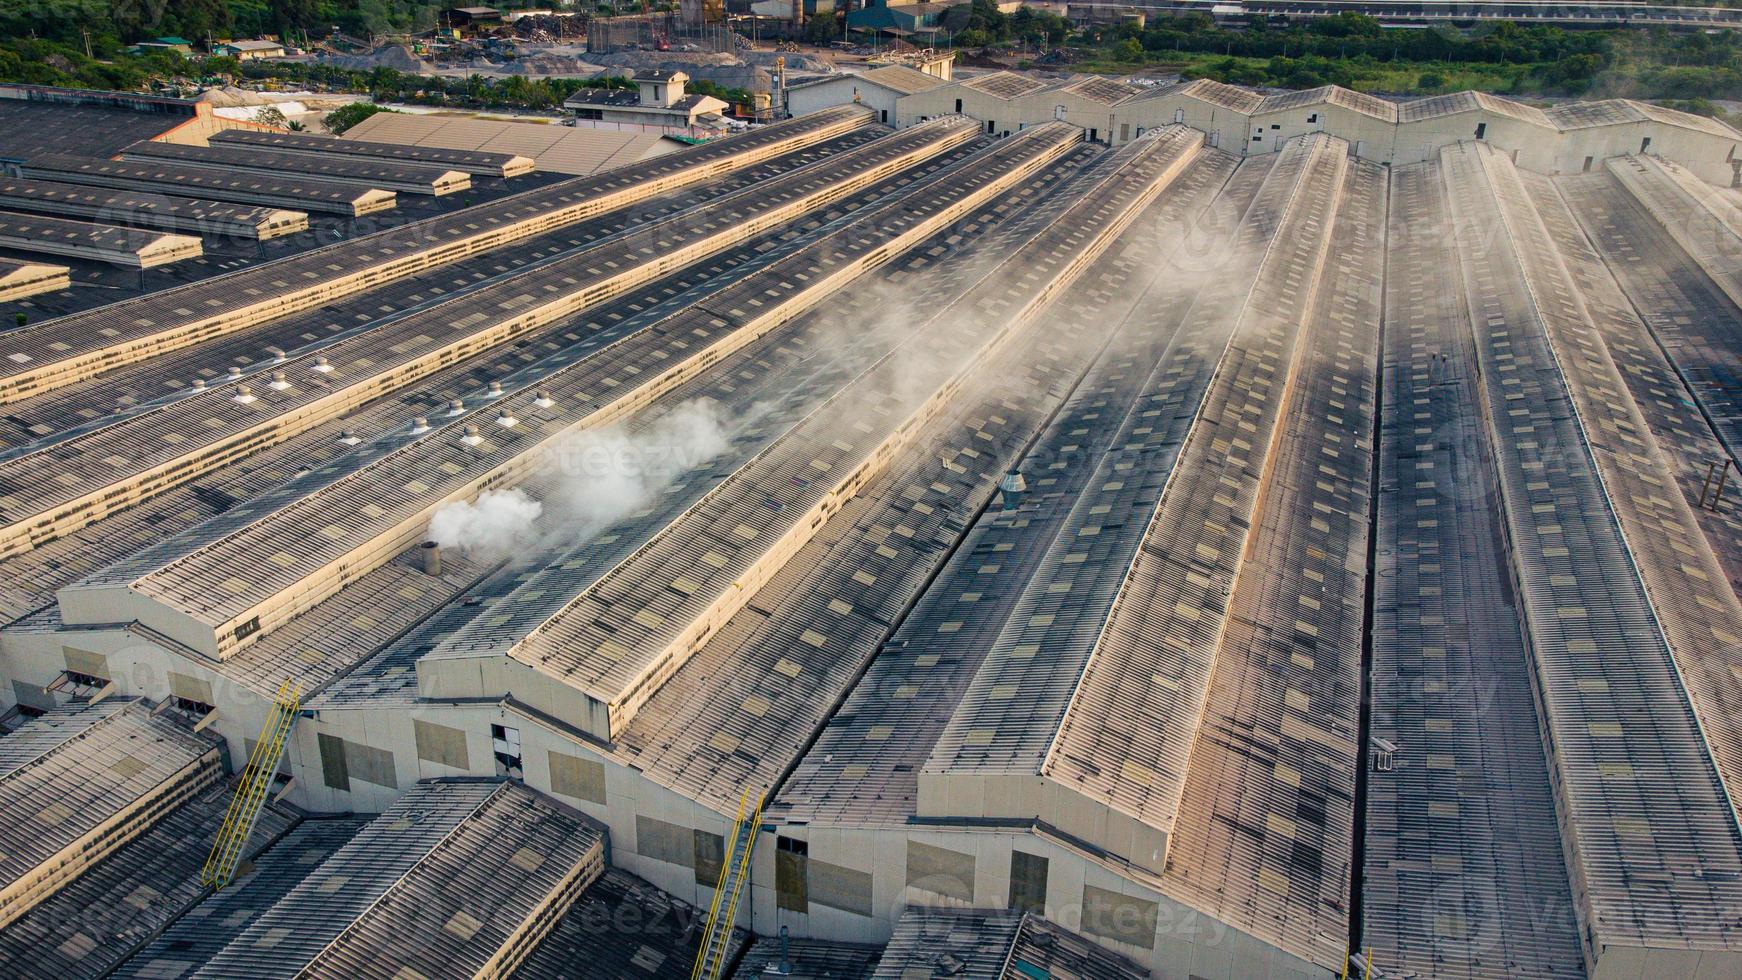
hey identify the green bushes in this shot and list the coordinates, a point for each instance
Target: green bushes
(344, 117)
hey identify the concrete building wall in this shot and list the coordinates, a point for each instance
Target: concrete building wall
(1368, 137)
(1710, 153)
(842, 91)
(1421, 140)
(902, 865)
(949, 99)
(905, 868)
(1098, 119)
(1224, 127)
(138, 667)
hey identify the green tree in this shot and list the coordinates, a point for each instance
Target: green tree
(344, 117)
(822, 30)
(272, 116)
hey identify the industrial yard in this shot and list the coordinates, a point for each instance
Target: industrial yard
(1021, 529)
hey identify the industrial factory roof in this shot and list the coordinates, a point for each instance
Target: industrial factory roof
(1568, 116)
(446, 880)
(864, 767)
(619, 98)
(1061, 720)
(31, 129)
(147, 210)
(824, 612)
(561, 149)
(1562, 117)
(1366, 105)
(339, 168)
(483, 162)
(54, 564)
(80, 767)
(297, 191)
(808, 958)
(518, 600)
(25, 352)
(1237, 540)
(1444, 621)
(831, 620)
(742, 520)
(255, 351)
(594, 941)
(135, 247)
(175, 571)
(1008, 85)
(1000, 944)
(902, 78)
(1233, 97)
(106, 914)
(208, 927)
(1106, 91)
(1662, 634)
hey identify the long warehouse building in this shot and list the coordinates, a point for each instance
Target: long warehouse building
(263, 190)
(390, 175)
(112, 336)
(482, 163)
(849, 551)
(161, 212)
(132, 248)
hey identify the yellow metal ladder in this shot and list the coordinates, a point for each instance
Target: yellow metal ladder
(734, 872)
(251, 791)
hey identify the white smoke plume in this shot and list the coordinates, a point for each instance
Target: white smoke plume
(600, 476)
(587, 481)
(496, 525)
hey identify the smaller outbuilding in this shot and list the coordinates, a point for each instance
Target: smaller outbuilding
(879, 88)
(471, 18)
(659, 104)
(178, 45)
(250, 50)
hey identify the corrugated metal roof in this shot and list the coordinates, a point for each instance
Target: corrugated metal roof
(441, 883)
(1634, 769)
(106, 914)
(850, 778)
(1480, 850)
(87, 774)
(623, 928)
(560, 149)
(1232, 97)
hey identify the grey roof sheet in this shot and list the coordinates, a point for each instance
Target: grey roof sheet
(1646, 880)
(100, 772)
(107, 913)
(849, 778)
(52, 340)
(1446, 625)
(562, 149)
(30, 129)
(350, 146)
(208, 927)
(436, 884)
(623, 928)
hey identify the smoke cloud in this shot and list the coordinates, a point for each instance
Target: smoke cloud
(604, 475)
(587, 481)
(497, 524)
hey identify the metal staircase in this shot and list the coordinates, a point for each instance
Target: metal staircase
(251, 791)
(734, 872)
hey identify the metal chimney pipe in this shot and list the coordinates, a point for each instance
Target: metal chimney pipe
(432, 557)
